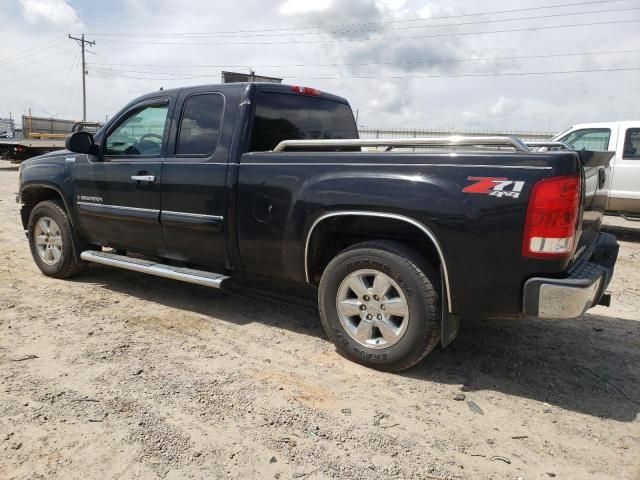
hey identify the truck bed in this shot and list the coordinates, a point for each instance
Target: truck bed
(475, 232)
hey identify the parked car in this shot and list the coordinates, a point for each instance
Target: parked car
(238, 180)
(623, 138)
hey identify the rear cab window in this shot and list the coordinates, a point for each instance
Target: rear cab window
(200, 125)
(284, 116)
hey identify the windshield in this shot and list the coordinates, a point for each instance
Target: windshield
(594, 139)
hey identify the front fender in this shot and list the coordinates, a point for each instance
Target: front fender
(51, 172)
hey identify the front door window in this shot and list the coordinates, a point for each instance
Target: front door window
(140, 134)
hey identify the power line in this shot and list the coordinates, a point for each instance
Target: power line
(366, 77)
(466, 75)
(25, 53)
(406, 62)
(351, 40)
(65, 95)
(33, 76)
(31, 62)
(493, 12)
(478, 22)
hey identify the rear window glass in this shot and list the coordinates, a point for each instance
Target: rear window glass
(632, 144)
(281, 116)
(200, 125)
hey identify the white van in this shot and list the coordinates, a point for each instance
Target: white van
(624, 139)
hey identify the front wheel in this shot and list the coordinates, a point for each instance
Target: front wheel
(379, 304)
(51, 240)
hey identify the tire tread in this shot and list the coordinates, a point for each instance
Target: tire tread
(71, 266)
(428, 280)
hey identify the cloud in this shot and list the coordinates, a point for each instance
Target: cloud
(53, 12)
(536, 102)
(389, 96)
(469, 115)
(504, 106)
(329, 16)
(381, 35)
(298, 7)
(501, 109)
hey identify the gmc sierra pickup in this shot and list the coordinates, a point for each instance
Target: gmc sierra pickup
(402, 240)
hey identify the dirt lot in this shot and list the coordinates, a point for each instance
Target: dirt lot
(119, 375)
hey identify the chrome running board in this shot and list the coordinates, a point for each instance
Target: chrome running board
(199, 277)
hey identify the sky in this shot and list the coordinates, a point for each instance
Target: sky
(401, 63)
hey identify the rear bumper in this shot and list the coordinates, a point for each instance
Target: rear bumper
(582, 289)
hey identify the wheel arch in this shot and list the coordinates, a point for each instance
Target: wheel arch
(408, 222)
(33, 193)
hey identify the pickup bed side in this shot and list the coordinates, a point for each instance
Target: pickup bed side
(472, 235)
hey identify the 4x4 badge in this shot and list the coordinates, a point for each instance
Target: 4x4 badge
(495, 186)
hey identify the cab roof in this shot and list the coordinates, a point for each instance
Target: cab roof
(260, 86)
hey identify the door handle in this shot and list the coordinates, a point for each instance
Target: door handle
(143, 178)
(602, 177)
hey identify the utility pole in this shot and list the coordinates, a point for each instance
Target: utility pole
(82, 42)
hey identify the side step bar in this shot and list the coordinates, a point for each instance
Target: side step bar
(199, 277)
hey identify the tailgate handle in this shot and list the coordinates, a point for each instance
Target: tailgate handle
(143, 178)
(602, 177)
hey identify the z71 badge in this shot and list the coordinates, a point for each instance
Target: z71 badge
(495, 186)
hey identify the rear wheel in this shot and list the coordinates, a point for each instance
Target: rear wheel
(51, 240)
(379, 304)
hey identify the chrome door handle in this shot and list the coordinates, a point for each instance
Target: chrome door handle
(143, 178)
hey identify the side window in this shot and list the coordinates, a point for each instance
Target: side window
(141, 133)
(200, 125)
(631, 150)
(594, 139)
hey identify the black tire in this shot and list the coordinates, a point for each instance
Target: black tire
(67, 265)
(419, 284)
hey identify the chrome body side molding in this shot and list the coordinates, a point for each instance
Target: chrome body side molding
(119, 212)
(194, 215)
(395, 165)
(198, 221)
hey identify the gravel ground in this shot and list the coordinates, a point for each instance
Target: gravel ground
(119, 375)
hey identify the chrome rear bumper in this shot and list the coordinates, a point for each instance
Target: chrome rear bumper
(582, 289)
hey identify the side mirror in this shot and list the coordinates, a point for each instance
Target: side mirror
(80, 142)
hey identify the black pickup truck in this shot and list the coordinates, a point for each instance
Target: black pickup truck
(402, 238)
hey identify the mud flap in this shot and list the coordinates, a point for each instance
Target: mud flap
(450, 323)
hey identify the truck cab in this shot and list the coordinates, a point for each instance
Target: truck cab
(623, 138)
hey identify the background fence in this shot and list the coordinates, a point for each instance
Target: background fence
(373, 133)
(41, 127)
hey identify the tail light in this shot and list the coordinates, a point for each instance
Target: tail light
(312, 92)
(552, 218)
